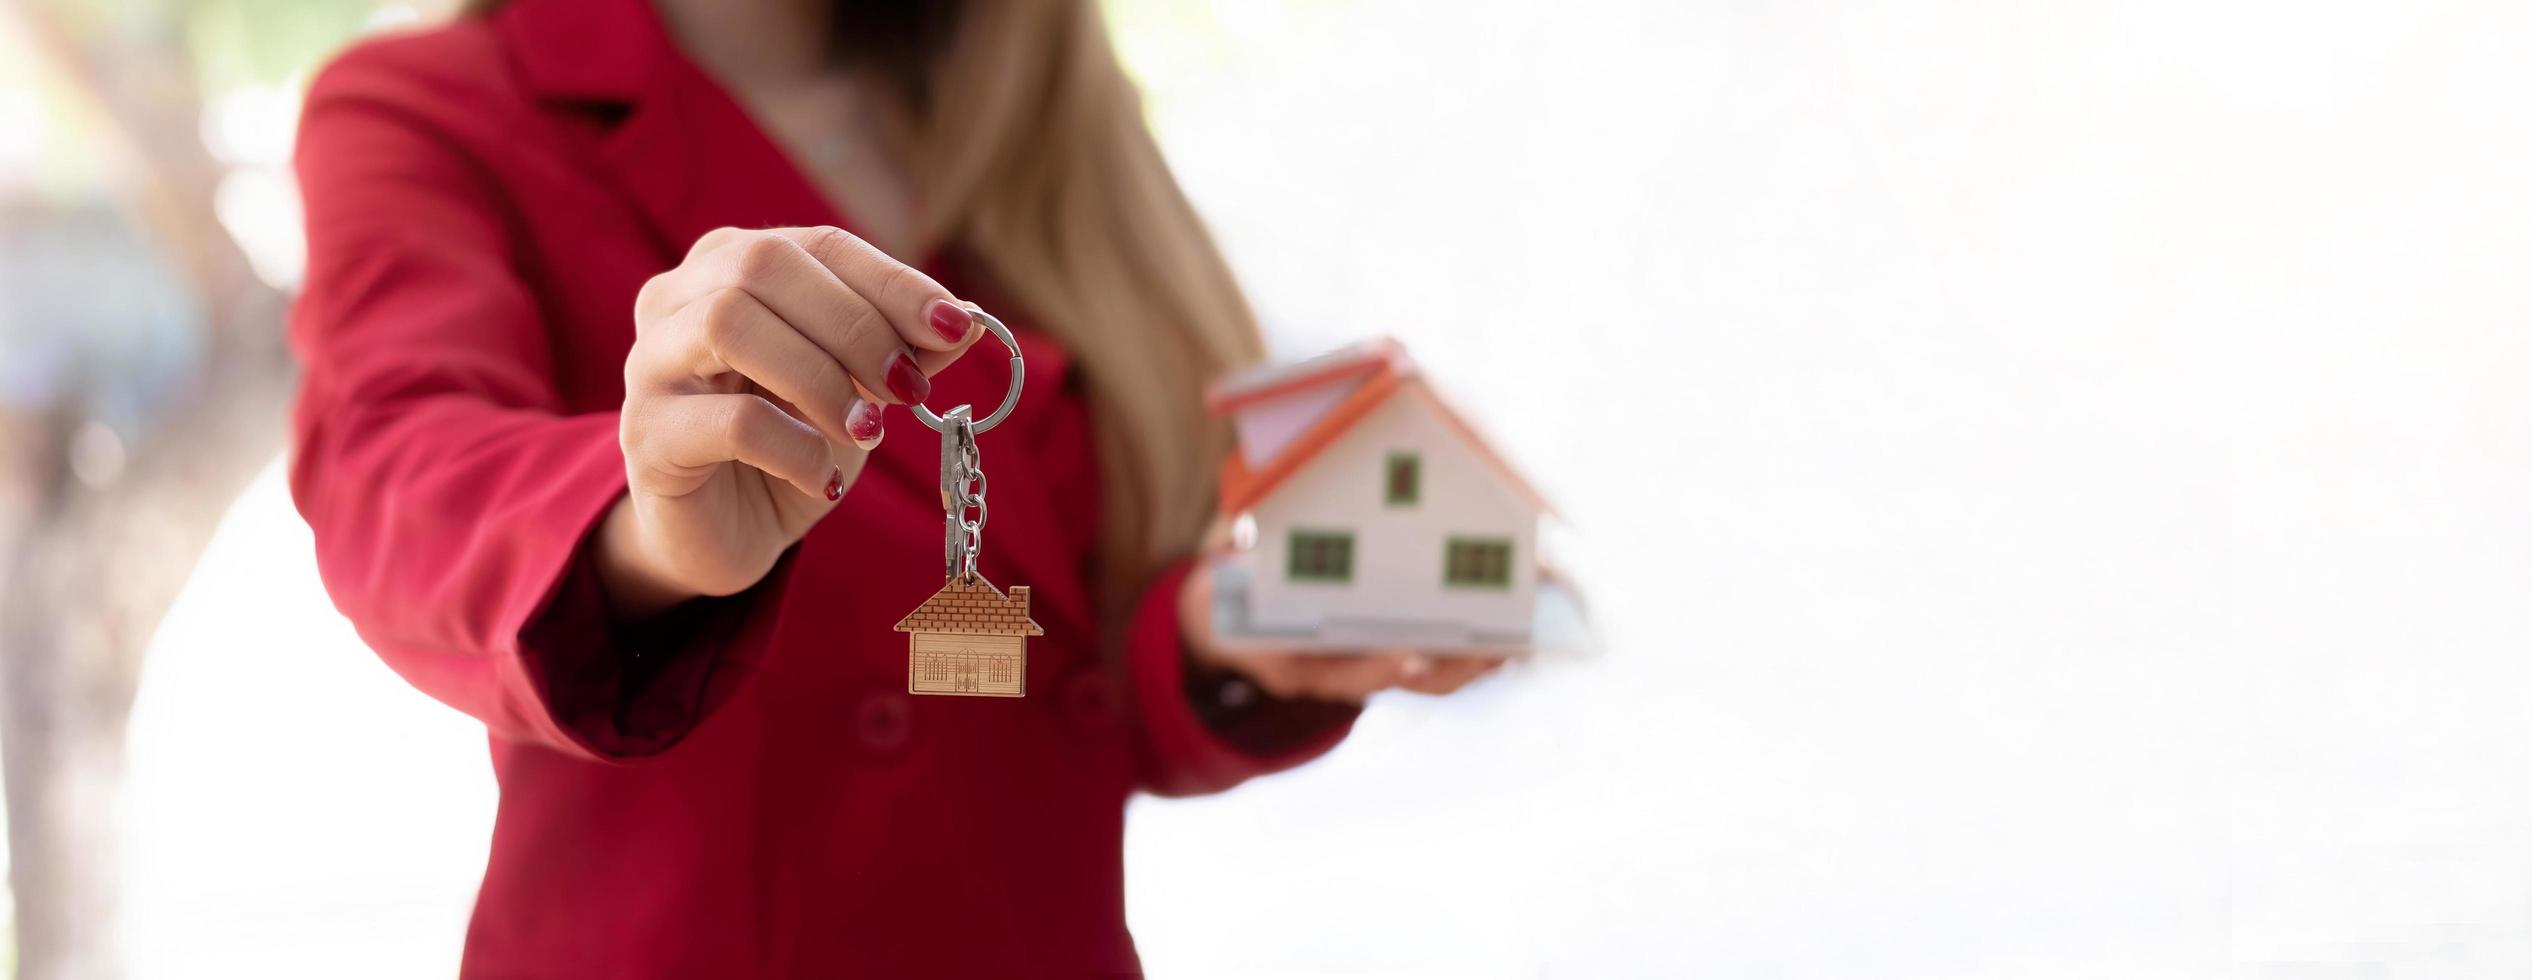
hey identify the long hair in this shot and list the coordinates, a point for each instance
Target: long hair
(1030, 156)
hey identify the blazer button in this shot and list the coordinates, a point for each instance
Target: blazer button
(885, 720)
(1090, 696)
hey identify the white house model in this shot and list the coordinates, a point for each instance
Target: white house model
(1370, 514)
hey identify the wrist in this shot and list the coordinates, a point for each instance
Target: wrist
(638, 583)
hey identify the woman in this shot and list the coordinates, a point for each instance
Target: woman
(590, 462)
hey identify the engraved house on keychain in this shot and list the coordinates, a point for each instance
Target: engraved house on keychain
(1369, 514)
(968, 638)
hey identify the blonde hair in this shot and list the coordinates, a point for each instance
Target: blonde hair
(1032, 157)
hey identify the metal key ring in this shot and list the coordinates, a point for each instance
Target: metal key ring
(1009, 399)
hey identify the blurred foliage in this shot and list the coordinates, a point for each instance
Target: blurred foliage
(231, 42)
(267, 42)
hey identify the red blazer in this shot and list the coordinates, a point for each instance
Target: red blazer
(743, 787)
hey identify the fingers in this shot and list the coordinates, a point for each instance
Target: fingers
(780, 274)
(1346, 677)
(869, 313)
(922, 312)
(1443, 675)
(683, 439)
(1355, 677)
(932, 361)
(729, 330)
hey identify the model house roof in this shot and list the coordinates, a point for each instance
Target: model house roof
(1301, 409)
(973, 606)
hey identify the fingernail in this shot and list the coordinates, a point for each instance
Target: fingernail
(835, 484)
(863, 424)
(951, 320)
(1415, 667)
(905, 380)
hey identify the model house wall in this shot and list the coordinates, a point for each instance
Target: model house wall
(1395, 591)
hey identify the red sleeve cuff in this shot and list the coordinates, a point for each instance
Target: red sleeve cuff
(621, 692)
(616, 692)
(1195, 739)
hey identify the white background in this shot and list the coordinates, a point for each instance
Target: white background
(2052, 477)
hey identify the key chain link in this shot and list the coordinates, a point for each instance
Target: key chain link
(963, 540)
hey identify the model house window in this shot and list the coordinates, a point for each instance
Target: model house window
(1405, 481)
(1320, 556)
(1477, 563)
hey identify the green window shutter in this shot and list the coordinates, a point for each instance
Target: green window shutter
(1319, 556)
(1403, 480)
(1477, 563)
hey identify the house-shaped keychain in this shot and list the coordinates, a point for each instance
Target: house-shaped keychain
(1369, 514)
(968, 639)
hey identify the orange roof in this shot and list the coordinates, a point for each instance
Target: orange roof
(973, 606)
(1266, 383)
(1390, 371)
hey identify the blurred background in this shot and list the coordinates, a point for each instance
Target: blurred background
(2052, 479)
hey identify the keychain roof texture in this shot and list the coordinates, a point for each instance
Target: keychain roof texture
(973, 606)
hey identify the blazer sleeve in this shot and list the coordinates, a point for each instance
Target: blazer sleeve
(451, 494)
(1204, 731)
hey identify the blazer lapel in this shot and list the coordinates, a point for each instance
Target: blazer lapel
(683, 153)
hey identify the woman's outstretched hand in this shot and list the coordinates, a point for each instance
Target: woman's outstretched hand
(752, 397)
(1345, 677)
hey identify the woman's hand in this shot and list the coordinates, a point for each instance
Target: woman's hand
(753, 395)
(1346, 677)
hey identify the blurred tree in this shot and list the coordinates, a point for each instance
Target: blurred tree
(101, 520)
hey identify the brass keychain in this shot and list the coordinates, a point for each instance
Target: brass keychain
(969, 638)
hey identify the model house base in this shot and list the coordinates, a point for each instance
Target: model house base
(1557, 626)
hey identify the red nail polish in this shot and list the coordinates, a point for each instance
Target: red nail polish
(835, 484)
(905, 380)
(951, 320)
(862, 422)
